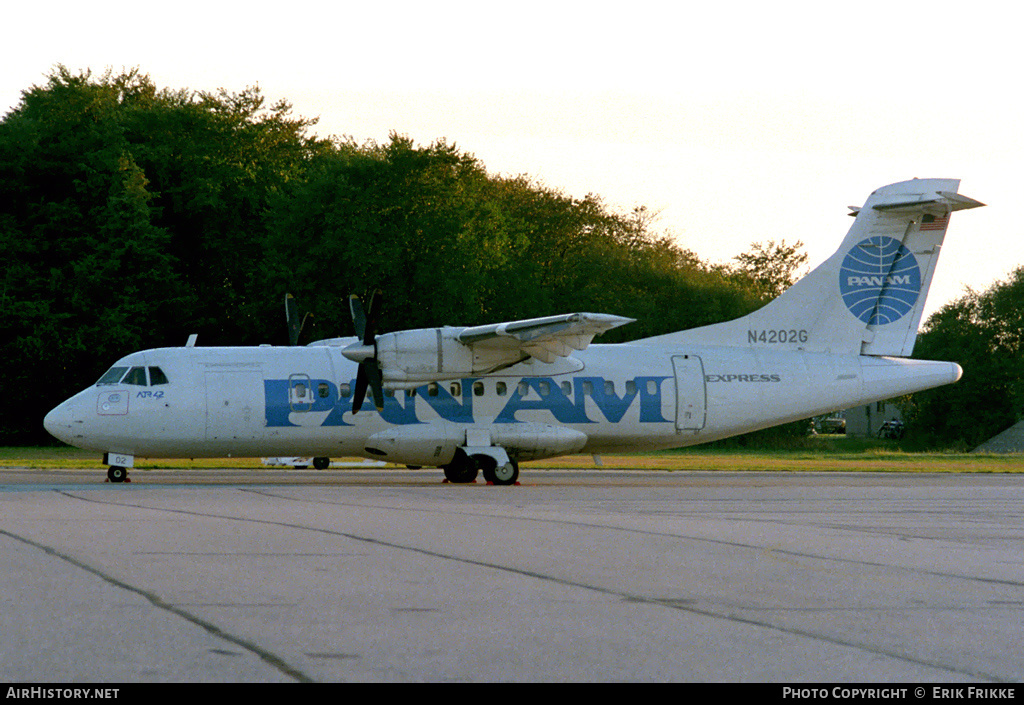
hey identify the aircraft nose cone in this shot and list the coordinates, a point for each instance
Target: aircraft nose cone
(60, 420)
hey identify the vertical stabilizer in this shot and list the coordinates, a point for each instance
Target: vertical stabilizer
(869, 296)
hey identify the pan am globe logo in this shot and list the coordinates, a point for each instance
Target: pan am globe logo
(880, 280)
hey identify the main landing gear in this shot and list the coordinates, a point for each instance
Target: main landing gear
(464, 469)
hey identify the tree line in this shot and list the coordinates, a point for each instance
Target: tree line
(984, 333)
(132, 216)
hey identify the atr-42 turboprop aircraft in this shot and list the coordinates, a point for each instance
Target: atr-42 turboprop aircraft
(486, 398)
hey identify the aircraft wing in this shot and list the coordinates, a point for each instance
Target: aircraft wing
(543, 338)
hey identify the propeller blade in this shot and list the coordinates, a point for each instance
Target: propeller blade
(376, 382)
(358, 317)
(359, 393)
(291, 317)
(371, 317)
(369, 374)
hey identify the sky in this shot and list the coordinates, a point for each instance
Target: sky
(735, 122)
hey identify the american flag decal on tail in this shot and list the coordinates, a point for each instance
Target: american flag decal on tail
(930, 222)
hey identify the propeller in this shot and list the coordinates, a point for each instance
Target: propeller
(365, 352)
(291, 316)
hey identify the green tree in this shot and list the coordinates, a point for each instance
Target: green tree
(215, 162)
(770, 267)
(129, 216)
(77, 240)
(414, 222)
(984, 333)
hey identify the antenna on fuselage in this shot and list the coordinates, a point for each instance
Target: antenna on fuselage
(191, 343)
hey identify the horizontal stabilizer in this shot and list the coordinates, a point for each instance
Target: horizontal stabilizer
(949, 201)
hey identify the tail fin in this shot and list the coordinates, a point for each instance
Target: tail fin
(869, 296)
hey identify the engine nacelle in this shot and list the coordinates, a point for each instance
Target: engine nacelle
(410, 358)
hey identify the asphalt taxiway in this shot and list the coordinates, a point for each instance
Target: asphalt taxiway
(600, 575)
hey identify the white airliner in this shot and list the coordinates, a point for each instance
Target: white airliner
(486, 398)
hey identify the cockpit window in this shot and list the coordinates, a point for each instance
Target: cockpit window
(113, 375)
(136, 376)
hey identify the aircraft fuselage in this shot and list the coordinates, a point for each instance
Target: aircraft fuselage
(486, 397)
(279, 401)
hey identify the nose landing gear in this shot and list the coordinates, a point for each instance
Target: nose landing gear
(116, 473)
(118, 466)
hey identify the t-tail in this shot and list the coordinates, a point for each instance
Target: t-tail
(867, 298)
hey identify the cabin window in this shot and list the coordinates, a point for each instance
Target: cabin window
(136, 376)
(630, 387)
(432, 389)
(544, 388)
(588, 388)
(300, 390)
(345, 390)
(389, 392)
(322, 390)
(157, 376)
(524, 389)
(652, 387)
(456, 389)
(478, 389)
(609, 387)
(566, 388)
(113, 375)
(501, 388)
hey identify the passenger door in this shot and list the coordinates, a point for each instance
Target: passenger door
(691, 394)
